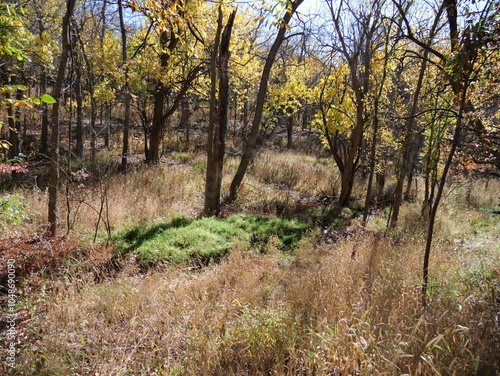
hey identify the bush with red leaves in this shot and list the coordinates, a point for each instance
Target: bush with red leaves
(15, 167)
(51, 255)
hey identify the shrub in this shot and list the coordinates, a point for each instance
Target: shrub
(12, 210)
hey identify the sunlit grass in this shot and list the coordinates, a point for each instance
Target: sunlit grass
(205, 240)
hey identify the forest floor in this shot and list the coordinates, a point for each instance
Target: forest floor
(284, 283)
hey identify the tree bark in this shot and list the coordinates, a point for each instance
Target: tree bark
(210, 176)
(79, 110)
(289, 132)
(44, 138)
(169, 42)
(214, 170)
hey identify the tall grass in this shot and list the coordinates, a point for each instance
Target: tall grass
(301, 172)
(275, 185)
(347, 308)
(149, 193)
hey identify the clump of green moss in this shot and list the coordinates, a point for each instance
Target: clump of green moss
(204, 240)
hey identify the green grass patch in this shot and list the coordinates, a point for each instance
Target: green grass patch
(204, 240)
(12, 210)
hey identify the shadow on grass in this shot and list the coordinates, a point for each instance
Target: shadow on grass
(136, 236)
(207, 240)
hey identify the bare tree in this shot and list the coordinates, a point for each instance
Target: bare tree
(357, 31)
(260, 101)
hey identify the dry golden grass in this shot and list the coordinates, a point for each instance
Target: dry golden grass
(149, 193)
(275, 183)
(291, 170)
(350, 308)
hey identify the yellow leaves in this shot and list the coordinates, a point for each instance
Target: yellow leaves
(335, 100)
(104, 92)
(289, 91)
(288, 97)
(167, 14)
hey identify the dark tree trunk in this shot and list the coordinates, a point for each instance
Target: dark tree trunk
(156, 134)
(380, 179)
(210, 176)
(54, 139)
(289, 132)
(79, 110)
(44, 138)
(93, 131)
(168, 41)
(212, 199)
(261, 99)
(126, 89)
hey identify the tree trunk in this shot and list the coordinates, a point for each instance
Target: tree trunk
(44, 138)
(156, 134)
(380, 179)
(79, 110)
(126, 89)
(261, 99)
(289, 132)
(209, 207)
(54, 139)
(168, 41)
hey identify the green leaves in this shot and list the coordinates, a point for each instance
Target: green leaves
(47, 99)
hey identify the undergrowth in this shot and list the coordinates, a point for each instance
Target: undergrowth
(272, 298)
(350, 308)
